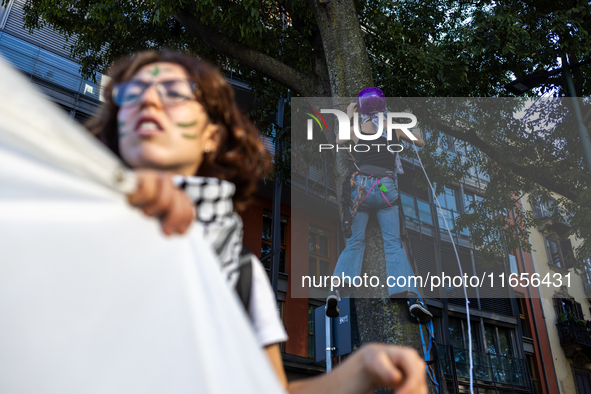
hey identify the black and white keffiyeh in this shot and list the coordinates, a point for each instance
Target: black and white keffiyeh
(223, 227)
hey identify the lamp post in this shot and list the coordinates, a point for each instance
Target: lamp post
(528, 82)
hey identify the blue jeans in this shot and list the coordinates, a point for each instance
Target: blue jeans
(397, 264)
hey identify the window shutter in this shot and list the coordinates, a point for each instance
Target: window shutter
(567, 253)
(579, 311)
(558, 307)
(555, 257)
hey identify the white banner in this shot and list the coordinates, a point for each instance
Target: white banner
(93, 299)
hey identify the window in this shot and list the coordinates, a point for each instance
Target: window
(525, 327)
(513, 264)
(449, 208)
(444, 141)
(553, 249)
(458, 332)
(470, 201)
(567, 309)
(416, 210)
(542, 210)
(498, 340)
(568, 256)
(448, 199)
(463, 147)
(437, 331)
(318, 252)
(583, 382)
(267, 237)
(533, 374)
(586, 276)
(311, 331)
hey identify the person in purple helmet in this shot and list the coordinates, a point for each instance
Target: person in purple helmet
(374, 190)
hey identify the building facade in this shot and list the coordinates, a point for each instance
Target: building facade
(522, 342)
(566, 308)
(43, 57)
(509, 339)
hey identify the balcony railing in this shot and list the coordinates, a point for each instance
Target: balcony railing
(490, 370)
(542, 211)
(574, 334)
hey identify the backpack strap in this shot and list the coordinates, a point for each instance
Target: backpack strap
(244, 284)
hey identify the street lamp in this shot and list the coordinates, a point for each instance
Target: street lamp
(528, 82)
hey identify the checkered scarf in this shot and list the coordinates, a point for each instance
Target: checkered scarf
(223, 227)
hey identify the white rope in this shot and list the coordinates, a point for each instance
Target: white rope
(459, 265)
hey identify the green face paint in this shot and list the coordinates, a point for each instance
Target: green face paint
(189, 136)
(187, 124)
(121, 123)
(155, 71)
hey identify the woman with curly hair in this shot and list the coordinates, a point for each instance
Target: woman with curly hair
(170, 113)
(176, 114)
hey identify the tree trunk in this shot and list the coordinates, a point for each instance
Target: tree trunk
(379, 320)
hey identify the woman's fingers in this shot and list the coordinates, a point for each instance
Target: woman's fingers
(159, 197)
(147, 188)
(180, 216)
(163, 199)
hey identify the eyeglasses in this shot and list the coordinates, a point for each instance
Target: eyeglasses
(171, 92)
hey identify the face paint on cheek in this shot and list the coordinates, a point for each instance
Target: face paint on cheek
(187, 124)
(190, 124)
(121, 123)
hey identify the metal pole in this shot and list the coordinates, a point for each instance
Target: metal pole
(276, 237)
(276, 214)
(328, 344)
(583, 132)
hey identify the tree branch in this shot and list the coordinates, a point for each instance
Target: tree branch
(266, 65)
(529, 172)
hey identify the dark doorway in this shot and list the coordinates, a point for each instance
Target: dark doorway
(583, 382)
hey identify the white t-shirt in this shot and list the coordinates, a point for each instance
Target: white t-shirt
(223, 229)
(263, 308)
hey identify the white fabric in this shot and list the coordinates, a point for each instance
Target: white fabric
(224, 231)
(93, 298)
(264, 312)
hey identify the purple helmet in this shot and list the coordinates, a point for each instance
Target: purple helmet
(371, 101)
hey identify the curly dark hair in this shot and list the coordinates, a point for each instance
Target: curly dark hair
(240, 158)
